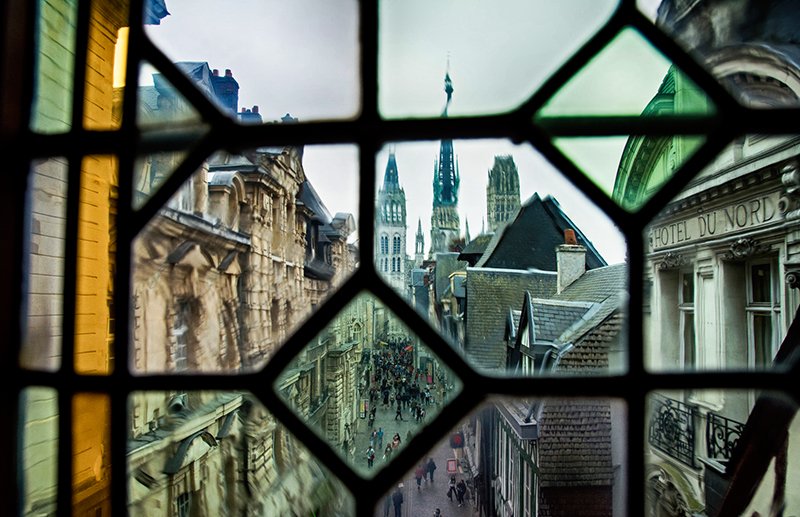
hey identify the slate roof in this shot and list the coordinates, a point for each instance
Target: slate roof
(575, 443)
(529, 240)
(551, 319)
(446, 263)
(591, 351)
(475, 249)
(490, 294)
(309, 197)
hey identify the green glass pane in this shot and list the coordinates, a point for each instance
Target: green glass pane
(240, 255)
(38, 452)
(54, 68)
(497, 53)
(628, 77)
(367, 384)
(299, 58)
(222, 453)
(465, 228)
(629, 169)
(42, 310)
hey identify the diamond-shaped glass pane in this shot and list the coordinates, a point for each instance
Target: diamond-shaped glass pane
(747, 47)
(717, 433)
(497, 54)
(240, 255)
(38, 450)
(720, 269)
(219, 453)
(299, 58)
(568, 454)
(628, 77)
(499, 234)
(367, 384)
(630, 169)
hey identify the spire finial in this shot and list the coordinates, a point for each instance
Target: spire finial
(448, 85)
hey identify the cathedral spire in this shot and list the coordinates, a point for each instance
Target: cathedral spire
(466, 232)
(391, 179)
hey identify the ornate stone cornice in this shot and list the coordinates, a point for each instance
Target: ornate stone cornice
(671, 260)
(744, 248)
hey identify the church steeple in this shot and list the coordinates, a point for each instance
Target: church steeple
(445, 226)
(419, 247)
(391, 180)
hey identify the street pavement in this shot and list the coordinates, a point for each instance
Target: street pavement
(420, 502)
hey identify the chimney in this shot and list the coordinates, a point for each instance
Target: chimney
(228, 72)
(215, 72)
(255, 109)
(570, 260)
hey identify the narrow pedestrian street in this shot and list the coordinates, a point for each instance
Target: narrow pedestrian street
(393, 378)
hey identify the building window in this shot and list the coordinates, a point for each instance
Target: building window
(180, 332)
(763, 312)
(396, 245)
(384, 244)
(182, 504)
(687, 329)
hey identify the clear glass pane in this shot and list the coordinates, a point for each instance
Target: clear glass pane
(628, 77)
(242, 254)
(313, 63)
(542, 247)
(516, 456)
(38, 455)
(367, 384)
(42, 309)
(497, 54)
(630, 169)
(91, 454)
(221, 453)
(718, 245)
(94, 304)
(699, 442)
(55, 66)
(747, 47)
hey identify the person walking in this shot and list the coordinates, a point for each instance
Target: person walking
(430, 467)
(397, 500)
(387, 452)
(419, 474)
(461, 489)
(451, 488)
(380, 437)
(399, 412)
(370, 456)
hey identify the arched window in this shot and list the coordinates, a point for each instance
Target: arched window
(396, 245)
(384, 244)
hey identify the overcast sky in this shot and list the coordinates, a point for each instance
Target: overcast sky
(301, 57)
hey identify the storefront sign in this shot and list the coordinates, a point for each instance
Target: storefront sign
(746, 214)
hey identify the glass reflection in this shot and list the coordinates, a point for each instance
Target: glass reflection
(515, 456)
(367, 384)
(541, 278)
(219, 453)
(240, 255)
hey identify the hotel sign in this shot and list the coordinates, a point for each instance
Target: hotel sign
(717, 222)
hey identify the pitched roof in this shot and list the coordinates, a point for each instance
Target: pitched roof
(529, 240)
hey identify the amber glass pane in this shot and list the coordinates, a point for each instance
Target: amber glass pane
(484, 243)
(712, 434)
(242, 254)
(55, 64)
(105, 66)
(747, 47)
(718, 245)
(629, 169)
(218, 453)
(42, 308)
(497, 54)
(628, 77)
(566, 454)
(299, 58)
(94, 323)
(367, 384)
(91, 454)
(38, 417)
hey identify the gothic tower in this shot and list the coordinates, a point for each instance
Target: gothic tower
(445, 225)
(390, 229)
(502, 192)
(419, 247)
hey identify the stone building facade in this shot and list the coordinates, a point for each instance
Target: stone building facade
(390, 229)
(722, 256)
(502, 192)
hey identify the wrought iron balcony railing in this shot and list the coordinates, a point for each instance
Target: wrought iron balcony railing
(722, 436)
(672, 429)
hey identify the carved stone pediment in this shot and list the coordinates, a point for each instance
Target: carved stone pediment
(744, 248)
